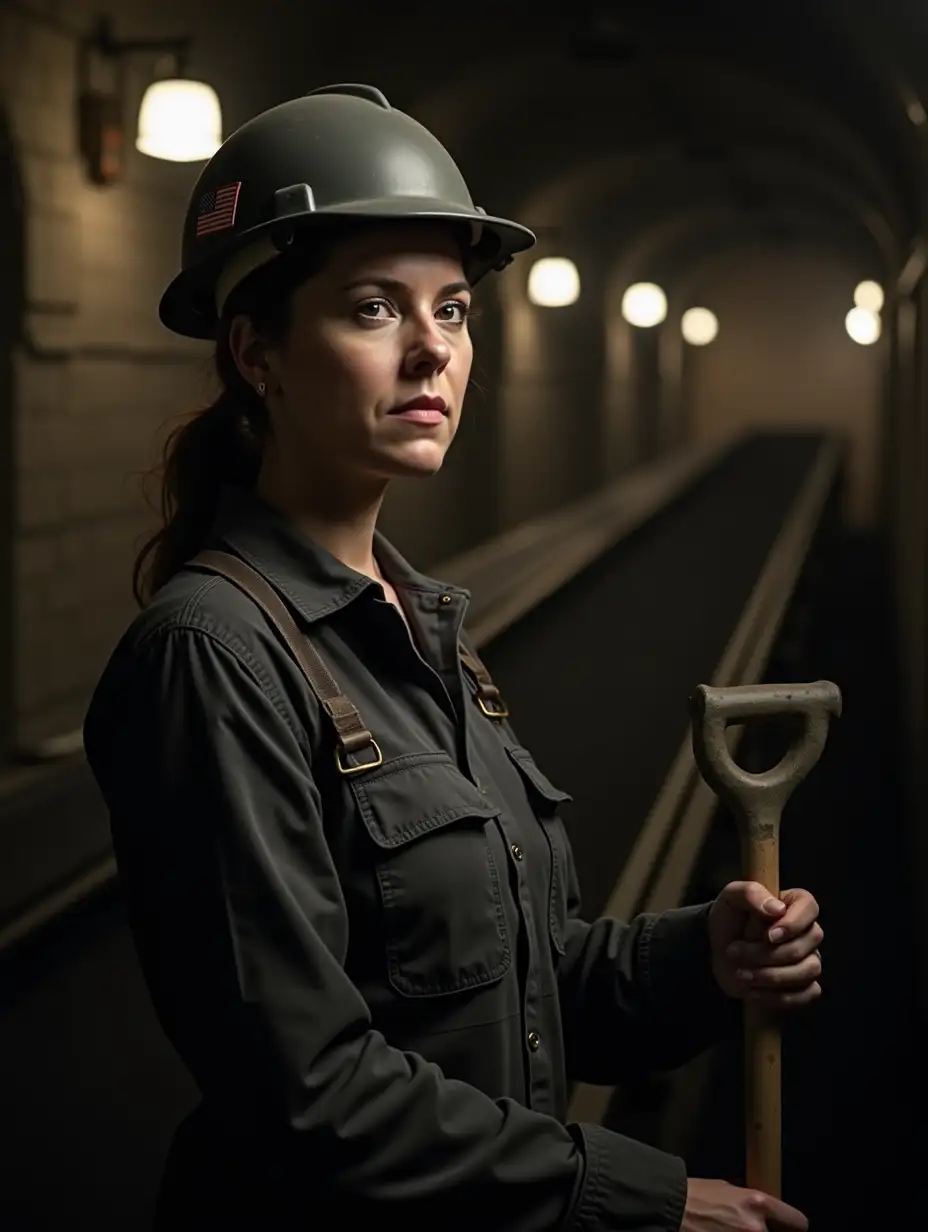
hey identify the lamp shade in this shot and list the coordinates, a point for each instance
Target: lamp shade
(180, 121)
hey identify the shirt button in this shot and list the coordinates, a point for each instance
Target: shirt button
(516, 851)
(534, 1041)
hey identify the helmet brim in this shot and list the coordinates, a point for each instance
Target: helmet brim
(188, 306)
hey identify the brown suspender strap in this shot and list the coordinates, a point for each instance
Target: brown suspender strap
(350, 732)
(488, 695)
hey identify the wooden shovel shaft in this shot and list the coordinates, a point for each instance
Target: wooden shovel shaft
(762, 1049)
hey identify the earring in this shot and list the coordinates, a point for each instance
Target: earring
(262, 389)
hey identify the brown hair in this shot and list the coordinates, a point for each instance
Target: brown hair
(221, 445)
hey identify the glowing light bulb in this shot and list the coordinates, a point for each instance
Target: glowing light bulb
(699, 326)
(868, 295)
(644, 304)
(862, 326)
(553, 282)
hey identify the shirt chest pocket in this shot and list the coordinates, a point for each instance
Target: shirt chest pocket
(545, 800)
(444, 923)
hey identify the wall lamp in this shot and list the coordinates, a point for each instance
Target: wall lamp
(553, 282)
(179, 120)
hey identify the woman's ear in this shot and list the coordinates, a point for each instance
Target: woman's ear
(249, 351)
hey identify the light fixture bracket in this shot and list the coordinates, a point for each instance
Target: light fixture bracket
(102, 40)
(100, 113)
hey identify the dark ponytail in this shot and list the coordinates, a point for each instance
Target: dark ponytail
(220, 446)
(211, 450)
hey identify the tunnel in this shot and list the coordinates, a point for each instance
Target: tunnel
(696, 455)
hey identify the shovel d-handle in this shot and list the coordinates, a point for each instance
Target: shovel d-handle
(758, 800)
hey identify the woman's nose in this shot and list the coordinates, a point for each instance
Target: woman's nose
(428, 352)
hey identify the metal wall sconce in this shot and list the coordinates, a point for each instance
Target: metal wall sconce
(179, 120)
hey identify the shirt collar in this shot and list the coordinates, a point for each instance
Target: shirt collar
(314, 580)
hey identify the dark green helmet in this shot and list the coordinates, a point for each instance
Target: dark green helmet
(341, 152)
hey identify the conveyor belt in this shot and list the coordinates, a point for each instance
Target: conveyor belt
(597, 677)
(88, 1082)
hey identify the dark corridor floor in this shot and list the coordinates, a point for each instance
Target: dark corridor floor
(853, 1131)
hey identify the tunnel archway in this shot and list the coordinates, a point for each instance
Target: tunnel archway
(624, 216)
(644, 412)
(672, 129)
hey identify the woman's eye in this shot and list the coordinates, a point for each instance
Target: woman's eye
(455, 312)
(371, 309)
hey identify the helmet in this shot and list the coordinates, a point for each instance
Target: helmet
(338, 153)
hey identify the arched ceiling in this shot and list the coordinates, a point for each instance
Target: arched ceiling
(772, 197)
(725, 124)
(769, 101)
(566, 114)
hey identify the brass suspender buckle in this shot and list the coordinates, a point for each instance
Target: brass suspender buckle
(495, 709)
(488, 695)
(365, 765)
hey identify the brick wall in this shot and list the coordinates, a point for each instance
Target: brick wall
(94, 376)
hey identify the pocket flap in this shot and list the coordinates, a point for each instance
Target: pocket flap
(545, 789)
(412, 796)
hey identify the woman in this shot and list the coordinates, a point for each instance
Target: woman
(352, 897)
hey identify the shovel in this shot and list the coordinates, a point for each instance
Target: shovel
(757, 802)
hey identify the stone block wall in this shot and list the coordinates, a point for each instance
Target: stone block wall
(93, 374)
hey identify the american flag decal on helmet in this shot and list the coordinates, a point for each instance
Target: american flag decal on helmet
(216, 209)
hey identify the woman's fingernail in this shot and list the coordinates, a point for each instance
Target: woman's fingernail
(733, 950)
(773, 906)
(747, 976)
(776, 934)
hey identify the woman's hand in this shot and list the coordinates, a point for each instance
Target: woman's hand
(766, 948)
(716, 1206)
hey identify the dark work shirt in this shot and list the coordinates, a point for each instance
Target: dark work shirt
(380, 982)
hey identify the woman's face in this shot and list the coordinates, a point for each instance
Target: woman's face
(383, 325)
